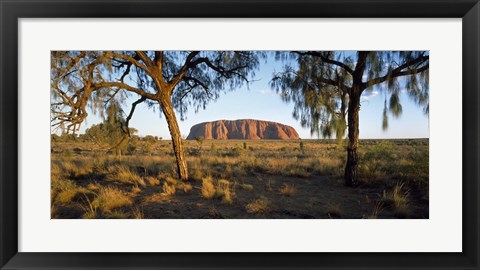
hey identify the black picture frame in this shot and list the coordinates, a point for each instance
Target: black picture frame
(11, 11)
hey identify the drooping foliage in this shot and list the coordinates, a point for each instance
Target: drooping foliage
(319, 83)
(316, 89)
(111, 131)
(326, 89)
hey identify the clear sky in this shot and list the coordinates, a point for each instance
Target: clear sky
(260, 102)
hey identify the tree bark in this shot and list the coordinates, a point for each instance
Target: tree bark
(351, 168)
(343, 115)
(177, 142)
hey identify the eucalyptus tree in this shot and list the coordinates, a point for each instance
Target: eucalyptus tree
(171, 80)
(326, 89)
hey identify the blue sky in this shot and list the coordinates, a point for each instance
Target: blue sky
(259, 101)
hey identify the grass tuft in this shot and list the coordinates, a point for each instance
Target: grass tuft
(110, 198)
(168, 189)
(260, 205)
(398, 200)
(123, 174)
(208, 188)
(288, 190)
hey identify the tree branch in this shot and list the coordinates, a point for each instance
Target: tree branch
(326, 60)
(124, 86)
(129, 59)
(186, 66)
(397, 72)
(132, 110)
(148, 62)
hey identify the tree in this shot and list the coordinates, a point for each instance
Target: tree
(171, 80)
(326, 88)
(110, 131)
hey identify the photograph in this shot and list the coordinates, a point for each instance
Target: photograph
(239, 134)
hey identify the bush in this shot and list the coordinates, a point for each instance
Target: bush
(261, 205)
(208, 188)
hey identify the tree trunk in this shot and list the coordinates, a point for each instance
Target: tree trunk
(341, 126)
(177, 142)
(351, 168)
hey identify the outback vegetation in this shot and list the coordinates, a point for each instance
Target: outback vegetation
(110, 172)
(239, 179)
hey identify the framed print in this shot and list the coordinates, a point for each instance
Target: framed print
(220, 134)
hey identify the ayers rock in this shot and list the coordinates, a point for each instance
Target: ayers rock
(248, 129)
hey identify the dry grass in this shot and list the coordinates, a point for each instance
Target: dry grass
(66, 191)
(377, 209)
(135, 190)
(116, 214)
(288, 190)
(260, 205)
(196, 175)
(66, 196)
(208, 188)
(398, 200)
(110, 198)
(137, 213)
(152, 181)
(168, 189)
(218, 189)
(220, 172)
(123, 174)
(187, 188)
(224, 191)
(90, 210)
(93, 186)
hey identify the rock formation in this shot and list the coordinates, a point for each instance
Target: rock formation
(247, 129)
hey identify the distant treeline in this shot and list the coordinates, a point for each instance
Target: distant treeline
(87, 138)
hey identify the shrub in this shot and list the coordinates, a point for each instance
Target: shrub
(131, 148)
(261, 205)
(200, 140)
(196, 175)
(223, 190)
(246, 186)
(208, 188)
(236, 152)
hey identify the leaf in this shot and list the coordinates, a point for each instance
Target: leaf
(385, 117)
(395, 106)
